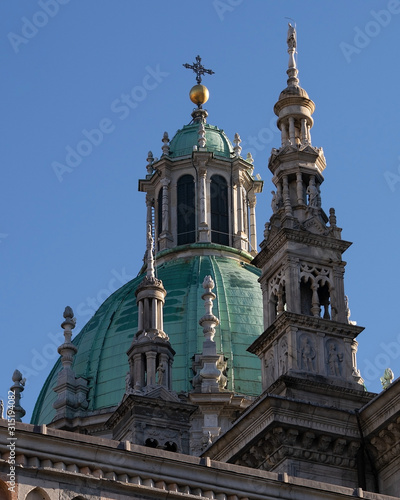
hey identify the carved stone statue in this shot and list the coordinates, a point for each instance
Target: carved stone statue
(160, 373)
(291, 37)
(283, 357)
(307, 355)
(334, 360)
(312, 192)
(270, 366)
(387, 378)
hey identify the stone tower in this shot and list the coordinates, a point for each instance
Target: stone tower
(308, 336)
(306, 423)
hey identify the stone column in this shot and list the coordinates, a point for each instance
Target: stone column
(153, 308)
(146, 314)
(241, 240)
(138, 371)
(253, 230)
(204, 232)
(165, 205)
(284, 134)
(304, 132)
(299, 186)
(338, 307)
(140, 316)
(239, 205)
(292, 131)
(286, 196)
(315, 308)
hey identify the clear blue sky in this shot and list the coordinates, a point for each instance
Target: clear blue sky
(64, 72)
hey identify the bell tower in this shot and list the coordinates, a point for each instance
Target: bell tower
(309, 341)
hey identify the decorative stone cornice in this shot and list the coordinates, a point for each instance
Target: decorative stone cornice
(298, 236)
(311, 323)
(270, 411)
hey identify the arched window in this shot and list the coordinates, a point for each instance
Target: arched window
(219, 210)
(186, 210)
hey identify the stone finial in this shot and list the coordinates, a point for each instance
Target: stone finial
(292, 71)
(165, 146)
(387, 378)
(202, 136)
(249, 158)
(67, 350)
(17, 388)
(150, 258)
(208, 321)
(238, 148)
(150, 161)
(71, 391)
(332, 217)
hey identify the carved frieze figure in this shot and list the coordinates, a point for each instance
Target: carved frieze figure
(307, 355)
(283, 356)
(334, 360)
(270, 366)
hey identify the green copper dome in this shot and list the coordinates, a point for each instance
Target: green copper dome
(216, 141)
(103, 342)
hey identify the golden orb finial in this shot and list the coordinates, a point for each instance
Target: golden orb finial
(199, 94)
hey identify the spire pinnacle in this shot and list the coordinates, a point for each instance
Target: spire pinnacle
(292, 70)
(17, 387)
(150, 258)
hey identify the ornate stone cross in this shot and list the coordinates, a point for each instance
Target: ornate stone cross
(199, 69)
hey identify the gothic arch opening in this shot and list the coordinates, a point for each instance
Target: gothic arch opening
(306, 296)
(219, 210)
(37, 494)
(170, 446)
(186, 221)
(151, 443)
(324, 300)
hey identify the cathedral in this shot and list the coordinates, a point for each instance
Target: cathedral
(220, 371)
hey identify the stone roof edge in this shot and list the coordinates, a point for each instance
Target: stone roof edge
(159, 467)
